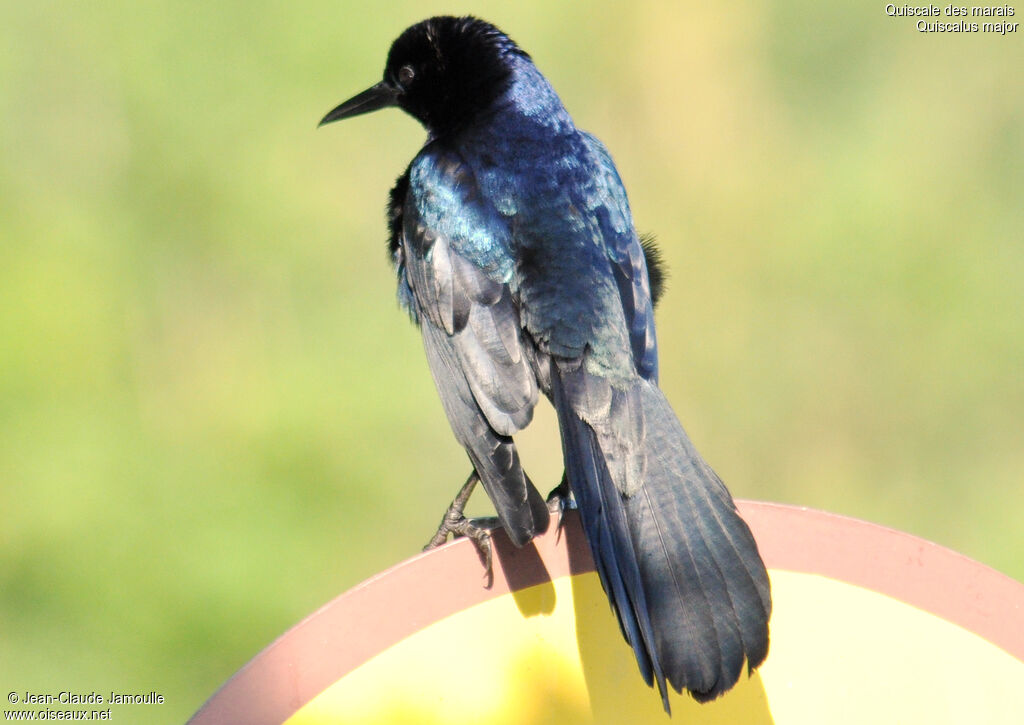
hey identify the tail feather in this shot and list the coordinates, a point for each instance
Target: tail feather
(608, 536)
(749, 591)
(680, 566)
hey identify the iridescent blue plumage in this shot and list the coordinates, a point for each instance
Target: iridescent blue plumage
(516, 254)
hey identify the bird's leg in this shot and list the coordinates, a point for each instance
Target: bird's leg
(455, 523)
(560, 500)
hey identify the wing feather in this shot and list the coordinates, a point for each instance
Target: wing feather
(472, 330)
(629, 263)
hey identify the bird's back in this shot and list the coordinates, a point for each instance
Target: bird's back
(574, 261)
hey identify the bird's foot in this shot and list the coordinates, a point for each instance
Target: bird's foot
(454, 522)
(458, 525)
(559, 501)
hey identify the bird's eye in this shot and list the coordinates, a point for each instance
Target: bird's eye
(406, 74)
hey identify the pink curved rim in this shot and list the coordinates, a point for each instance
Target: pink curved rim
(396, 603)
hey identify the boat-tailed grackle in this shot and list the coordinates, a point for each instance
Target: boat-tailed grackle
(516, 255)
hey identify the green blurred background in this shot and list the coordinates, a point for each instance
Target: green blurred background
(213, 417)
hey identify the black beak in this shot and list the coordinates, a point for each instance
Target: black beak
(379, 96)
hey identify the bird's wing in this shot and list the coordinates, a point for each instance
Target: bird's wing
(629, 265)
(455, 260)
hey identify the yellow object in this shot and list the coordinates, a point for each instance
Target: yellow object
(554, 654)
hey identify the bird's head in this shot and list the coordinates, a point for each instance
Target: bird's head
(444, 72)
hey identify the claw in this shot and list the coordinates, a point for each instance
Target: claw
(559, 501)
(455, 523)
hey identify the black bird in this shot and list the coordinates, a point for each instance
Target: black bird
(517, 257)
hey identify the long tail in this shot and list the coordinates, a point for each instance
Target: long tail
(679, 565)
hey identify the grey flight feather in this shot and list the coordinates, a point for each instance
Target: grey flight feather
(474, 345)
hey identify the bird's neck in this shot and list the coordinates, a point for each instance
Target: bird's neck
(530, 97)
(529, 108)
